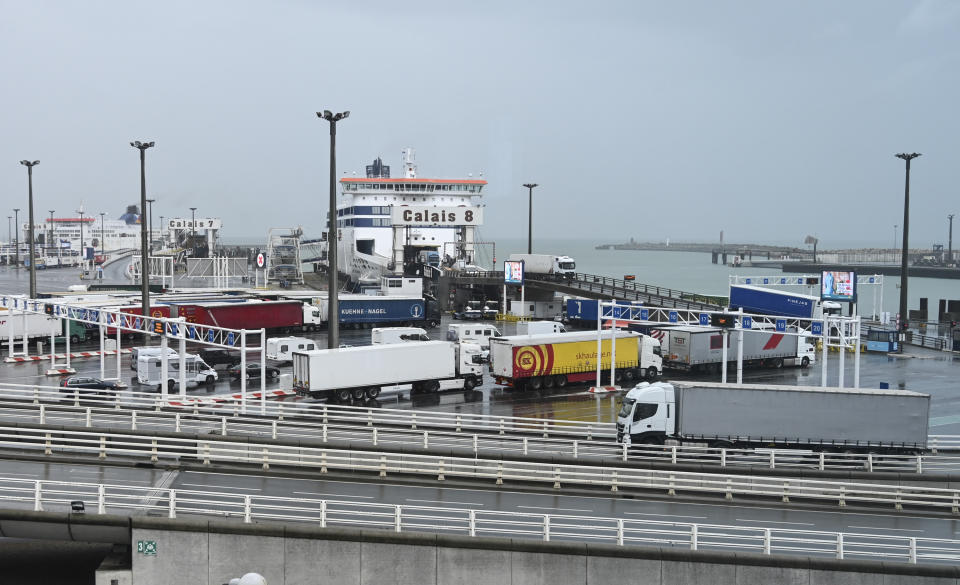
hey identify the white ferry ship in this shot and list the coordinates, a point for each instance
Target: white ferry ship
(392, 225)
(93, 231)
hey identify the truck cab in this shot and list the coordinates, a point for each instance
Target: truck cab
(381, 335)
(647, 414)
(312, 317)
(565, 266)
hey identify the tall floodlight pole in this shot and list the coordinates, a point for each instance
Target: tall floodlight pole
(530, 187)
(103, 245)
(950, 240)
(16, 235)
(333, 311)
(906, 236)
(144, 251)
(33, 256)
(895, 226)
(52, 235)
(150, 220)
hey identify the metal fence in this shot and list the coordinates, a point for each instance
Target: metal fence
(173, 503)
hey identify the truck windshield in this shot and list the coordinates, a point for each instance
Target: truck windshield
(645, 410)
(568, 265)
(626, 407)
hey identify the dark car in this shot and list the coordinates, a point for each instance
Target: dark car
(216, 357)
(87, 386)
(469, 315)
(253, 370)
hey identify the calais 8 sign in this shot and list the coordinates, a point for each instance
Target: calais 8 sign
(513, 272)
(438, 216)
(838, 285)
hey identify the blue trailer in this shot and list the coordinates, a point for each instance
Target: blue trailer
(385, 310)
(583, 312)
(768, 301)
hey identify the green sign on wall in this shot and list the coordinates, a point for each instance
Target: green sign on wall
(147, 547)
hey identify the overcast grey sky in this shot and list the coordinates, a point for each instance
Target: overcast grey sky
(769, 120)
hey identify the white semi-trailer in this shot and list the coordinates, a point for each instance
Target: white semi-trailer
(362, 372)
(746, 415)
(558, 266)
(701, 349)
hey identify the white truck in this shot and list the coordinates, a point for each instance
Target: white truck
(538, 327)
(385, 335)
(746, 415)
(700, 349)
(363, 372)
(150, 371)
(557, 266)
(281, 348)
(37, 325)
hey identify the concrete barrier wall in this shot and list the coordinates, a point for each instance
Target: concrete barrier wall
(212, 553)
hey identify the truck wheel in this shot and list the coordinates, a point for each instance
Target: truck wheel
(74, 338)
(431, 386)
(372, 392)
(171, 384)
(651, 373)
(210, 380)
(469, 383)
(343, 395)
(357, 393)
(560, 380)
(548, 382)
(629, 375)
(535, 383)
(778, 363)
(805, 362)
(433, 323)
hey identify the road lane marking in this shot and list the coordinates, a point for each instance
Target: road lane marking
(775, 522)
(665, 515)
(232, 487)
(548, 508)
(446, 503)
(881, 528)
(335, 495)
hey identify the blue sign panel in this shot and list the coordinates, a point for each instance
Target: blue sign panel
(746, 322)
(871, 280)
(781, 324)
(748, 280)
(800, 281)
(94, 315)
(210, 335)
(172, 328)
(674, 317)
(192, 332)
(704, 319)
(644, 314)
(766, 281)
(136, 324)
(229, 338)
(816, 328)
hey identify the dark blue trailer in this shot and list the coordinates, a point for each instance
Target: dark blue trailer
(768, 301)
(366, 309)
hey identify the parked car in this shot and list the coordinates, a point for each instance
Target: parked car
(215, 357)
(87, 386)
(469, 315)
(253, 370)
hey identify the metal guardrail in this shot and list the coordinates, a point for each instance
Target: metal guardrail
(506, 444)
(107, 444)
(173, 503)
(324, 413)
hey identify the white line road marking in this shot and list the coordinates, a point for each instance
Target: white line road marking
(548, 508)
(446, 503)
(351, 496)
(665, 515)
(225, 488)
(775, 522)
(881, 528)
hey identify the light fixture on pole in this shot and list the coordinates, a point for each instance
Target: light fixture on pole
(52, 233)
(895, 226)
(193, 232)
(333, 310)
(33, 256)
(904, 321)
(530, 187)
(144, 250)
(950, 240)
(16, 235)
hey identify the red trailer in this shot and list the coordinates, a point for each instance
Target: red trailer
(155, 311)
(272, 315)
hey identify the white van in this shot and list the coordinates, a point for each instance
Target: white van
(537, 327)
(281, 348)
(136, 352)
(150, 370)
(382, 335)
(472, 333)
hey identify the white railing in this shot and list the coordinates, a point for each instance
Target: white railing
(326, 413)
(106, 445)
(508, 444)
(55, 496)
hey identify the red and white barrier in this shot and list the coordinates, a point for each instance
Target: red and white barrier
(61, 356)
(603, 389)
(61, 371)
(190, 400)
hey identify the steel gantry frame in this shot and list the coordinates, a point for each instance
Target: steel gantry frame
(165, 328)
(834, 330)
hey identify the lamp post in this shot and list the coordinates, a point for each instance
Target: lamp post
(103, 246)
(906, 238)
(333, 311)
(144, 251)
(9, 236)
(895, 226)
(150, 220)
(52, 235)
(33, 256)
(16, 235)
(530, 187)
(950, 240)
(193, 232)
(161, 231)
